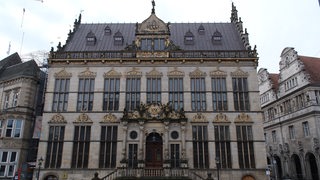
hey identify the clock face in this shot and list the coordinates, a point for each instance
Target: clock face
(133, 134)
(174, 135)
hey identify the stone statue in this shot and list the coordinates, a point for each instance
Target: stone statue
(96, 176)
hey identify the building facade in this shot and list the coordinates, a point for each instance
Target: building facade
(153, 99)
(19, 82)
(290, 102)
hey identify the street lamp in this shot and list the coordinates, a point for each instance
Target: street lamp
(218, 166)
(39, 167)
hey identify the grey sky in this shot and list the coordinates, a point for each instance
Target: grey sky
(272, 24)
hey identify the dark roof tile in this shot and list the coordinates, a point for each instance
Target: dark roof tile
(312, 67)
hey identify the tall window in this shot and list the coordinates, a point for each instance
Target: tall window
(15, 98)
(175, 155)
(240, 94)
(8, 163)
(133, 156)
(153, 90)
(85, 94)
(55, 147)
(223, 148)
(14, 128)
(292, 134)
(108, 146)
(219, 94)
(60, 95)
(133, 93)
(274, 136)
(1, 127)
(200, 147)
(111, 94)
(198, 94)
(176, 93)
(245, 147)
(148, 44)
(306, 130)
(81, 145)
(6, 100)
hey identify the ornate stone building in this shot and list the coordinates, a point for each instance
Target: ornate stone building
(20, 87)
(290, 102)
(153, 99)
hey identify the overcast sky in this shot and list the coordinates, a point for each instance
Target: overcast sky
(33, 25)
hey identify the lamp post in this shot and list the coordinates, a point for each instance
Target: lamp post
(218, 166)
(39, 167)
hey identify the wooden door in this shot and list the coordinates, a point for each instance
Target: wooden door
(154, 151)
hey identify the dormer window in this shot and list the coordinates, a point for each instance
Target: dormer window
(118, 39)
(91, 39)
(216, 37)
(189, 38)
(107, 31)
(201, 30)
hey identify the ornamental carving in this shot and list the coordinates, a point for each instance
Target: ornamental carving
(83, 118)
(243, 118)
(199, 117)
(154, 111)
(239, 73)
(57, 118)
(134, 73)
(300, 146)
(87, 74)
(112, 73)
(109, 118)
(197, 73)
(62, 74)
(218, 73)
(176, 73)
(154, 73)
(316, 146)
(221, 118)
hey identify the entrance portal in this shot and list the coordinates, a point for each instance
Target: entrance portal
(154, 150)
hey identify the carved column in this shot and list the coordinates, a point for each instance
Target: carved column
(124, 145)
(141, 145)
(184, 163)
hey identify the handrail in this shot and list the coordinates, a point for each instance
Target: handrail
(197, 175)
(109, 174)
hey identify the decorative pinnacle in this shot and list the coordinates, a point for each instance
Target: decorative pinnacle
(153, 5)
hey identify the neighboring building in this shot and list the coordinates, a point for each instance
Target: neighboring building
(290, 101)
(19, 82)
(153, 99)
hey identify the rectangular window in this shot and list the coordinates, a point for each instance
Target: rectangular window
(133, 156)
(60, 95)
(159, 44)
(15, 98)
(223, 147)
(8, 163)
(175, 155)
(200, 147)
(146, 44)
(55, 147)
(132, 93)
(219, 94)
(1, 127)
(240, 94)
(306, 130)
(111, 94)
(198, 94)
(292, 134)
(153, 90)
(245, 147)
(274, 136)
(176, 93)
(14, 127)
(6, 101)
(108, 146)
(85, 94)
(81, 146)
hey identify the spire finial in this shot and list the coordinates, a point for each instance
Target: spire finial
(153, 5)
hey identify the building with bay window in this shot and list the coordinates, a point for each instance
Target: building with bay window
(290, 101)
(145, 99)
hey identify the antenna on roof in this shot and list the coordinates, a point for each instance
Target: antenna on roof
(8, 52)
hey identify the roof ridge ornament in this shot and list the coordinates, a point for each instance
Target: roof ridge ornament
(153, 5)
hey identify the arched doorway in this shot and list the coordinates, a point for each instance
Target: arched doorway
(297, 166)
(154, 150)
(312, 166)
(278, 166)
(248, 177)
(51, 177)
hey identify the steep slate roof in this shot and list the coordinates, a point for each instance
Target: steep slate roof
(9, 61)
(26, 69)
(274, 78)
(312, 67)
(230, 37)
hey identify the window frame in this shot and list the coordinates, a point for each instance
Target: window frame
(153, 90)
(55, 146)
(219, 94)
(61, 95)
(85, 94)
(9, 162)
(198, 94)
(306, 129)
(133, 93)
(14, 128)
(111, 95)
(200, 145)
(108, 146)
(176, 92)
